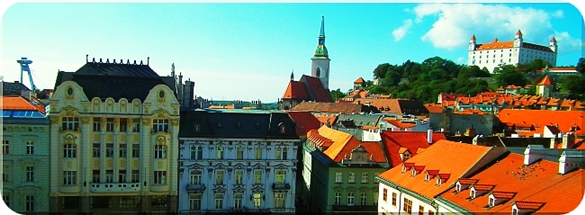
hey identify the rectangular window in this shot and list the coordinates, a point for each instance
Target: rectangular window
(257, 200)
(109, 176)
(364, 177)
(135, 150)
(122, 176)
(122, 151)
(136, 125)
(196, 177)
(69, 151)
(385, 194)
(350, 198)
(421, 210)
(160, 151)
(30, 147)
(30, 204)
(219, 177)
(220, 152)
(279, 199)
(257, 176)
(129, 201)
(135, 176)
(96, 176)
(110, 124)
(196, 152)
(280, 176)
(109, 150)
(195, 202)
(218, 202)
(96, 150)
(70, 123)
(69, 177)
(278, 153)
(394, 198)
(239, 176)
(363, 200)
(375, 195)
(431, 212)
(337, 198)
(123, 124)
(338, 177)
(6, 174)
(30, 173)
(240, 153)
(160, 125)
(160, 177)
(351, 178)
(238, 200)
(258, 153)
(97, 124)
(5, 147)
(407, 206)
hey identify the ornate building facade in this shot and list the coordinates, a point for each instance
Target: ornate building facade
(237, 161)
(25, 155)
(114, 140)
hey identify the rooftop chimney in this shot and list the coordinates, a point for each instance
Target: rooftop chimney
(430, 136)
(533, 153)
(568, 161)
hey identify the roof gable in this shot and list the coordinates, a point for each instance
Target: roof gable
(411, 141)
(315, 89)
(304, 121)
(296, 90)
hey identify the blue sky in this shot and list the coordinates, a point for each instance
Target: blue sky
(247, 51)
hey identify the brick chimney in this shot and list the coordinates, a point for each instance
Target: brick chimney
(533, 153)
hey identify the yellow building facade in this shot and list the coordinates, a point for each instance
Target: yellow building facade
(113, 156)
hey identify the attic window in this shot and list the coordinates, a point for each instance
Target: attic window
(69, 91)
(439, 181)
(492, 201)
(161, 94)
(197, 128)
(457, 187)
(514, 211)
(472, 193)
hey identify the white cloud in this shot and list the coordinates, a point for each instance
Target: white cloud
(567, 43)
(460, 59)
(402, 30)
(453, 25)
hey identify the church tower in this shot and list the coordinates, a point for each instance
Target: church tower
(320, 60)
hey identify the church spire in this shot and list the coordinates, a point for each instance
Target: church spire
(322, 32)
(321, 51)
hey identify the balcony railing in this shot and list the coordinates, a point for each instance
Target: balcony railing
(285, 186)
(195, 187)
(115, 187)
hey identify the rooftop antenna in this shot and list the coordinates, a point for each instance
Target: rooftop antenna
(24, 62)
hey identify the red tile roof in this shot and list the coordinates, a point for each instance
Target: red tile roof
(20, 103)
(545, 81)
(342, 144)
(540, 118)
(434, 108)
(446, 156)
(400, 124)
(323, 119)
(328, 107)
(304, 121)
(360, 80)
(495, 45)
(296, 90)
(315, 87)
(395, 141)
(538, 183)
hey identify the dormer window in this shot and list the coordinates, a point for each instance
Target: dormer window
(472, 193)
(457, 187)
(406, 166)
(514, 211)
(282, 128)
(439, 181)
(405, 156)
(492, 201)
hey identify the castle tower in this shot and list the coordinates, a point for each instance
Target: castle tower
(472, 43)
(320, 60)
(518, 39)
(553, 45)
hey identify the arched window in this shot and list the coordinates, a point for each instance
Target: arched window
(318, 72)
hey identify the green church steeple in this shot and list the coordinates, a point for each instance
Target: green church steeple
(321, 51)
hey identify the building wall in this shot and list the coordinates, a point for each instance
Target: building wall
(386, 206)
(219, 196)
(15, 187)
(512, 56)
(99, 177)
(323, 65)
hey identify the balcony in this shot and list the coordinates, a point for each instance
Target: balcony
(115, 187)
(195, 187)
(285, 186)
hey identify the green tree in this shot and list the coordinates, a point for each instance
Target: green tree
(337, 94)
(381, 70)
(581, 66)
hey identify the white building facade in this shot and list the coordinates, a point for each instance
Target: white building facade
(496, 53)
(237, 162)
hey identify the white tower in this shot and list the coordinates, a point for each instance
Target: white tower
(553, 45)
(320, 60)
(518, 39)
(472, 43)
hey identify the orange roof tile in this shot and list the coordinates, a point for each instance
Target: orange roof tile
(20, 103)
(545, 81)
(515, 182)
(400, 124)
(360, 80)
(323, 119)
(495, 45)
(446, 156)
(565, 119)
(296, 90)
(339, 142)
(434, 108)
(413, 141)
(304, 121)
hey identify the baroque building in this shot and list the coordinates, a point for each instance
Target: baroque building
(237, 161)
(491, 55)
(114, 140)
(25, 155)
